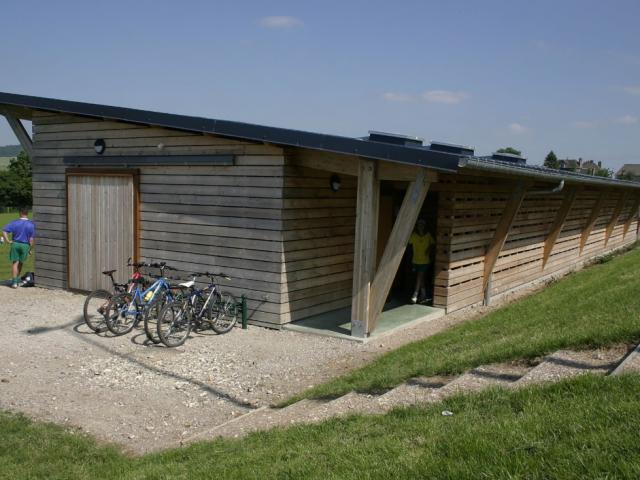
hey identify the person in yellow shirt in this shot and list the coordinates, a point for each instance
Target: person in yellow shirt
(421, 243)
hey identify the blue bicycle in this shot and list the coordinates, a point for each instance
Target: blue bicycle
(127, 309)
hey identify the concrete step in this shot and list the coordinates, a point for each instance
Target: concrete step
(483, 377)
(219, 430)
(414, 391)
(631, 363)
(351, 403)
(265, 419)
(567, 363)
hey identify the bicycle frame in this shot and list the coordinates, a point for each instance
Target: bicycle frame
(139, 295)
(211, 289)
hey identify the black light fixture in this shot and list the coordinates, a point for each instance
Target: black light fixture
(99, 146)
(335, 183)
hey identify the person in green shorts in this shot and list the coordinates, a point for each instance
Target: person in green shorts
(23, 233)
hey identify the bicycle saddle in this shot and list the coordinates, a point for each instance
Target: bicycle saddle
(108, 272)
(188, 284)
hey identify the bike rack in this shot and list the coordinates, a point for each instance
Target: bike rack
(242, 306)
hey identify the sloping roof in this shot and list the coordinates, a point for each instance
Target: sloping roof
(24, 105)
(238, 130)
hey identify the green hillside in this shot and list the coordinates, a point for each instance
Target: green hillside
(10, 150)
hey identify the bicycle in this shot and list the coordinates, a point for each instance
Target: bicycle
(207, 305)
(126, 310)
(96, 302)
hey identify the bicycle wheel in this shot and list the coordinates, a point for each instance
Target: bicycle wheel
(151, 315)
(95, 307)
(223, 313)
(174, 324)
(122, 314)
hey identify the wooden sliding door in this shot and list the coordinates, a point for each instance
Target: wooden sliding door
(101, 227)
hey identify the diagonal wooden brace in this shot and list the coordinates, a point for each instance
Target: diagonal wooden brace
(397, 244)
(500, 235)
(558, 223)
(21, 134)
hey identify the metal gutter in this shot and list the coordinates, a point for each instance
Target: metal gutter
(551, 191)
(539, 173)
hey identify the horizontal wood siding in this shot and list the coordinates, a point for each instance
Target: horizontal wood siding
(318, 241)
(470, 209)
(217, 218)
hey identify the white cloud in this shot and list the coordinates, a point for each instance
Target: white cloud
(632, 89)
(280, 21)
(517, 128)
(583, 124)
(445, 96)
(396, 97)
(627, 120)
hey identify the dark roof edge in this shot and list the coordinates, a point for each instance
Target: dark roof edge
(279, 136)
(540, 173)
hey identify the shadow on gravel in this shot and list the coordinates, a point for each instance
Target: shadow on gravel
(203, 386)
(40, 330)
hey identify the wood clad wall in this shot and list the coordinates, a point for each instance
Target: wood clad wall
(470, 209)
(318, 242)
(226, 218)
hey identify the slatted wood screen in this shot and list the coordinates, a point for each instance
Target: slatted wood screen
(101, 228)
(470, 209)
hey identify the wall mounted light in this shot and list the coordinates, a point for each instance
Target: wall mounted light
(335, 183)
(99, 146)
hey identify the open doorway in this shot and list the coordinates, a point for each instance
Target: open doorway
(391, 197)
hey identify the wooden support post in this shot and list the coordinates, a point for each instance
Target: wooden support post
(364, 256)
(21, 134)
(595, 212)
(558, 223)
(500, 235)
(614, 218)
(397, 244)
(632, 215)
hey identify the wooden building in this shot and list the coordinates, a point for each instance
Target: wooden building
(304, 223)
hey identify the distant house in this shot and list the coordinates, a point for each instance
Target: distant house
(589, 167)
(570, 165)
(629, 171)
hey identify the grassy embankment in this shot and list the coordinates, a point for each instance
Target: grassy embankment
(583, 428)
(597, 306)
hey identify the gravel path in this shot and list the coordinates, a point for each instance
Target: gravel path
(147, 397)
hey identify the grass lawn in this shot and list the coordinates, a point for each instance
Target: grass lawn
(4, 162)
(582, 428)
(595, 307)
(5, 265)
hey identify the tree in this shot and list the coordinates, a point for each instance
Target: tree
(551, 161)
(15, 183)
(509, 150)
(603, 172)
(627, 176)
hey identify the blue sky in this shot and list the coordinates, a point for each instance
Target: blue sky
(561, 75)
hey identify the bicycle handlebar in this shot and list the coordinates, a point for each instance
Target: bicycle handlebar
(160, 265)
(209, 274)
